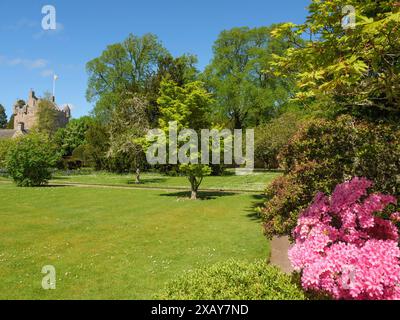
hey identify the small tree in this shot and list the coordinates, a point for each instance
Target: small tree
(29, 160)
(3, 117)
(195, 173)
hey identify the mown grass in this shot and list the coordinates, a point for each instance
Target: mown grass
(254, 182)
(110, 243)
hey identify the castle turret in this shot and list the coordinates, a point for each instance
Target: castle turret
(67, 111)
(27, 113)
(32, 99)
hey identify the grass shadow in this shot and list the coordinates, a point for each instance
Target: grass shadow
(205, 195)
(258, 201)
(147, 181)
(55, 186)
(59, 178)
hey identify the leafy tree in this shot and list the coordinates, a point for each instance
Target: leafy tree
(10, 124)
(47, 117)
(128, 123)
(3, 117)
(245, 95)
(122, 67)
(73, 135)
(180, 70)
(97, 139)
(195, 174)
(189, 105)
(346, 69)
(30, 158)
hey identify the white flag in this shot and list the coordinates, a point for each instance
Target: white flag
(55, 77)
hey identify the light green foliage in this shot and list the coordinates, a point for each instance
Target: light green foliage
(180, 70)
(355, 70)
(189, 105)
(73, 135)
(244, 94)
(234, 280)
(30, 158)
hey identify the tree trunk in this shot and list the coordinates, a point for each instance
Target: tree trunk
(194, 187)
(137, 176)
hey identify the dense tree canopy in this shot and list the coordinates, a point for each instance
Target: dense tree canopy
(135, 66)
(127, 66)
(180, 70)
(245, 95)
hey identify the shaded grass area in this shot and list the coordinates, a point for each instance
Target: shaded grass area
(254, 182)
(117, 244)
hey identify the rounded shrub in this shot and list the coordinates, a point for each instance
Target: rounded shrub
(30, 159)
(234, 280)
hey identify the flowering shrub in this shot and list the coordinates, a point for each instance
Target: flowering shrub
(323, 154)
(344, 247)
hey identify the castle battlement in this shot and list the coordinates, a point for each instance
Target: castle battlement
(26, 113)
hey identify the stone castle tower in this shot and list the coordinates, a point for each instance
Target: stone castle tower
(26, 113)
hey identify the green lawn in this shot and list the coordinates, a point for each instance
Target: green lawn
(254, 182)
(110, 243)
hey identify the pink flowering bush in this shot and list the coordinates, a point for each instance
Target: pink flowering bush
(345, 248)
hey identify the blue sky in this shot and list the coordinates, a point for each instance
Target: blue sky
(29, 55)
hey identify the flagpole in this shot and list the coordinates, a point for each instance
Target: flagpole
(54, 85)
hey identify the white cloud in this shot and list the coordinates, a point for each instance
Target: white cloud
(21, 24)
(47, 73)
(27, 63)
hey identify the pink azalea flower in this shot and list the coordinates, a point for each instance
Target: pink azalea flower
(343, 249)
